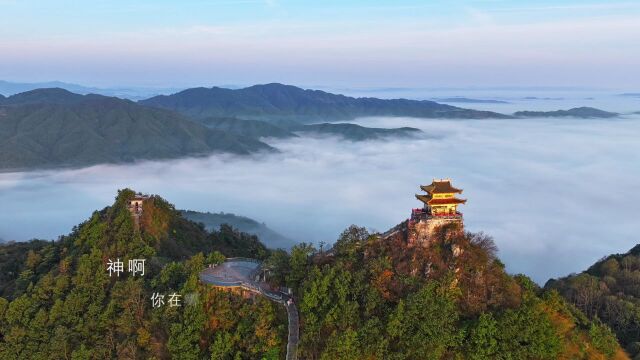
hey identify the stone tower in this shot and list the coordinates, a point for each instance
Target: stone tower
(135, 207)
(440, 208)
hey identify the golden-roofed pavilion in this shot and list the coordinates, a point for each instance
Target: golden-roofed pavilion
(440, 198)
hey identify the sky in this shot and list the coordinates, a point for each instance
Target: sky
(368, 44)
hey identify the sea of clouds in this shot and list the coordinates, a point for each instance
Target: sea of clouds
(555, 194)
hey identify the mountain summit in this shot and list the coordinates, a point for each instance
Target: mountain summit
(60, 300)
(46, 96)
(426, 289)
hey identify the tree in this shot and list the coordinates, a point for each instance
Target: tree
(298, 263)
(184, 337)
(222, 346)
(351, 241)
(527, 333)
(215, 258)
(603, 338)
(342, 345)
(424, 327)
(482, 342)
(278, 265)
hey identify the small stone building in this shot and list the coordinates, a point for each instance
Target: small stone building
(135, 207)
(135, 204)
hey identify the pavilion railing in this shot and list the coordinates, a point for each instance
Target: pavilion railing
(422, 214)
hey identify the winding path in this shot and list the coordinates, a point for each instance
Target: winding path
(294, 331)
(241, 272)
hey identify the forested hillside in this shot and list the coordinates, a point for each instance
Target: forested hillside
(368, 297)
(376, 298)
(609, 290)
(13, 256)
(64, 304)
(49, 128)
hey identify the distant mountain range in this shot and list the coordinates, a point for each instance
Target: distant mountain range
(469, 101)
(579, 112)
(47, 128)
(132, 93)
(278, 101)
(541, 98)
(10, 88)
(53, 127)
(57, 96)
(212, 222)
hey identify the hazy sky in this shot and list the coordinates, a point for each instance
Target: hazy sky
(331, 43)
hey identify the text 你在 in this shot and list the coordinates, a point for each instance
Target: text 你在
(157, 300)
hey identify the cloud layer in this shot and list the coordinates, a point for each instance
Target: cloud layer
(555, 194)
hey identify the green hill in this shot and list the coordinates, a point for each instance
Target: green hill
(64, 304)
(55, 128)
(369, 297)
(13, 255)
(278, 101)
(610, 291)
(376, 297)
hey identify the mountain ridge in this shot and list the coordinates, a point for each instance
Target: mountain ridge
(47, 96)
(8, 88)
(277, 101)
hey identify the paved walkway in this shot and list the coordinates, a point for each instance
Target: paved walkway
(294, 331)
(241, 272)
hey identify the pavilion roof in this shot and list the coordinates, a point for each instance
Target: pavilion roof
(440, 187)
